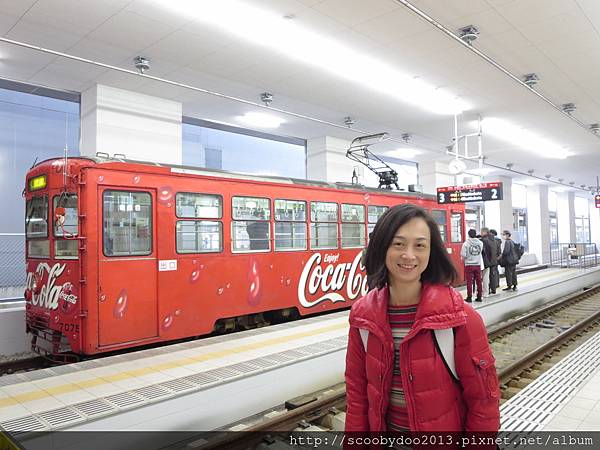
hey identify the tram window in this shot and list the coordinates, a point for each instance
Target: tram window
(323, 235)
(38, 248)
(127, 223)
(250, 229)
(66, 248)
(36, 217)
(456, 227)
(199, 236)
(290, 210)
(69, 227)
(374, 213)
(251, 208)
(290, 228)
(353, 228)
(439, 215)
(206, 206)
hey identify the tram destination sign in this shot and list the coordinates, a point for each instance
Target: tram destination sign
(482, 192)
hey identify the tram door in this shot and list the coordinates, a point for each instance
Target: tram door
(127, 268)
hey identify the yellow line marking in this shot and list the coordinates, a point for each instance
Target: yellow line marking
(132, 373)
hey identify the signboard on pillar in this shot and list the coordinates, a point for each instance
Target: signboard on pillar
(597, 198)
(482, 192)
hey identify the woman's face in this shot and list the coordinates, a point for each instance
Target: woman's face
(408, 254)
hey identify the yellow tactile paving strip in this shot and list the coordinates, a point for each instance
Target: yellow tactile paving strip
(66, 388)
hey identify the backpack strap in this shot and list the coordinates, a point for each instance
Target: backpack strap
(364, 336)
(444, 343)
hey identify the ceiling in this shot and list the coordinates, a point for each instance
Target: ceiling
(557, 39)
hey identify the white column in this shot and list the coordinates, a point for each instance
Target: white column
(139, 126)
(434, 174)
(566, 217)
(498, 215)
(538, 223)
(595, 223)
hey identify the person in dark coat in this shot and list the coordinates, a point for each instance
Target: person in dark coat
(494, 269)
(490, 261)
(509, 261)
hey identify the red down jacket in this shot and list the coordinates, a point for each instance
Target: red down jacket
(434, 400)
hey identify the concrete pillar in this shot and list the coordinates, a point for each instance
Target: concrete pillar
(139, 126)
(538, 223)
(566, 217)
(595, 223)
(434, 174)
(498, 215)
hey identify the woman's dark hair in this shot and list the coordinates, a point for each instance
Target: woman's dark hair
(440, 269)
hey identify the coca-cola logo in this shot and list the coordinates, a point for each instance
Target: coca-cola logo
(331, 280)
(50, 293)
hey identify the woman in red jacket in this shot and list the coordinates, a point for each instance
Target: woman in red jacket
(396, 376)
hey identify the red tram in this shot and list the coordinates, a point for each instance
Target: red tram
(122, 254)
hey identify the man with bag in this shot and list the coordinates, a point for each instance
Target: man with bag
(509, 260)
(490, 261)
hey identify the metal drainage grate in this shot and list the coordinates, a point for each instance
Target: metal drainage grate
(200, 379)
(23, 425)
(124, 399)
(93, 407)
(223, 373)
(151, 392)
(178, 385)
(60, 416)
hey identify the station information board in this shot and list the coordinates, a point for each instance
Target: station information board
(469, 193)
(597, 198)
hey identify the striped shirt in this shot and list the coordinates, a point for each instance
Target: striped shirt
(401, 319)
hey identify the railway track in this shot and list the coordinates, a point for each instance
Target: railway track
(524, 348)
(22, 365)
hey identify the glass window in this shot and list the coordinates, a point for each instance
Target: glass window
(520, 227)
(353, 228)
(290, 229)
(323, 212)
(251, 231)
(456, 232)
(204, 206)
(66, 249)
(36, 218)
(38, 248)
(353, 213)
(127, 223)
(199, 236)
(374, 213)
(290, 236)
(439, 215)
(553, 227)
(290, 210)
(251, 208)
(70, 225)
(323, 234)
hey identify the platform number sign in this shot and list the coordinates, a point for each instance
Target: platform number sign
(482, 192)
(597, 198)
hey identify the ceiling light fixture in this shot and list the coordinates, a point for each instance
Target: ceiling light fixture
(523, 138)
(141, 63)
(568, 108)
(286, 37)
(595, 128)
(403, 153)
(261, 120)
(531, 79)
(468, 34)
(266, 98)
(349, 121)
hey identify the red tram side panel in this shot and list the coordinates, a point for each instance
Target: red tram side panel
(122, 254)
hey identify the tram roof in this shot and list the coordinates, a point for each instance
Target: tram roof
(191, 170)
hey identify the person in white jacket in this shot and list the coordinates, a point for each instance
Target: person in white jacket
(471, 254)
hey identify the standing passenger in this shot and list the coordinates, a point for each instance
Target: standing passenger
(498, 242)
(509, 261)
(471, 254)
(490, 260)
(396, 379)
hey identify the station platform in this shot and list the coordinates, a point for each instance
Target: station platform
(565, 398)
(209, 383)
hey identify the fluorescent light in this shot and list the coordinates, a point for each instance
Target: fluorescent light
(481, 171)
(523, 138)
(403, 153)
(260, 120)
(272, 31)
